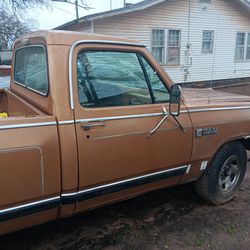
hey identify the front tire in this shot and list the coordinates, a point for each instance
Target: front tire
(224, 175)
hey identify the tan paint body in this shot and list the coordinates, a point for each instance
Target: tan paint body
(60, 159)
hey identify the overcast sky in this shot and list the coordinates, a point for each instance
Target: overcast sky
(60, 13)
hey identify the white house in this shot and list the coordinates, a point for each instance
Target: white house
(194, 40)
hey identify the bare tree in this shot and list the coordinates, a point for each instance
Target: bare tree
(19, 5)
(11, 27)
(13, 23)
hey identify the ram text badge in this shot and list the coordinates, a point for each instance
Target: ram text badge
(199, 132)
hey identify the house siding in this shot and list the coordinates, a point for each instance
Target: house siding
(80, 27)
(224, 17)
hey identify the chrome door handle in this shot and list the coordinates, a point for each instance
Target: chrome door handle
(88, 126)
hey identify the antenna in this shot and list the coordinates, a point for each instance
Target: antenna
(214, 57)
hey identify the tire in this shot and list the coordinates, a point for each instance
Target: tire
(224, 175)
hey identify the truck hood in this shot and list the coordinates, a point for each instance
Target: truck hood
(202, 98)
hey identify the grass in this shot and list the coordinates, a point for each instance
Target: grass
(199, 240)
(232, 230)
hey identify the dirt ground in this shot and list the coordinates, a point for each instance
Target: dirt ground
(243, 89)
(174, 218)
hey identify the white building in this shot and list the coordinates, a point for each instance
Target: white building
(194, 40)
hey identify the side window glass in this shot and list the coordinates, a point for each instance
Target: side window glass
(108, 79)
(31, 68)
(161, 93)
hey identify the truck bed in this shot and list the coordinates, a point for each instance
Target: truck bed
(15, 106)
(29, 157)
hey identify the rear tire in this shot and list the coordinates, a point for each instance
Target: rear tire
(224, 175)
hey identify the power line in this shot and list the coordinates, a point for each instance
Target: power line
(63, 10)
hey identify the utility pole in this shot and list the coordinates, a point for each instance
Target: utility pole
(111, 4)
(77, 13)
(76, 6)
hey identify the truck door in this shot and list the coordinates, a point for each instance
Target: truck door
(118, 100)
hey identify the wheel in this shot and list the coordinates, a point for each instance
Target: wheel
(224, 175)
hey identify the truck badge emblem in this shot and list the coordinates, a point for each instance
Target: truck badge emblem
(205, 131)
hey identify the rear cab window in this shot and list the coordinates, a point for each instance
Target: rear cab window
(31, 70)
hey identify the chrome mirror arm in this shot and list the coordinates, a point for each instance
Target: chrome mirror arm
(166, 115)
(180, 125)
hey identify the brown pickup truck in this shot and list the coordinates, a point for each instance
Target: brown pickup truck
(90, 120)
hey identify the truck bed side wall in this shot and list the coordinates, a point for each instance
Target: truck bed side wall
(30, 166)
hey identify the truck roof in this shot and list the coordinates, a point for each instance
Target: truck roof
(70, 37)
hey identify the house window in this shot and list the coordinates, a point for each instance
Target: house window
(242, 52)
(208, 42)
(158, 44)
(205, 1)
(248, 47)
(240, 46)
(166, 46)
(174, 46)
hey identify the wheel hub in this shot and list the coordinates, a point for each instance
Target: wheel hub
(229, 174)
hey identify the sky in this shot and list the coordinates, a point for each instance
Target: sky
(59, 13)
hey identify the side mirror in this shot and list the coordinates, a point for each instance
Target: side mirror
(175, 100)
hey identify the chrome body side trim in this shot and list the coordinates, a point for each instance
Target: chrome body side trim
(69, 198)
(71, 95)
(131, 179)
(91, 193)
(91, 42)
(124, 181)
(2, 211)
(68, 194)
(27, 125)
(218, 109)
(111, 118)
(66, 122)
